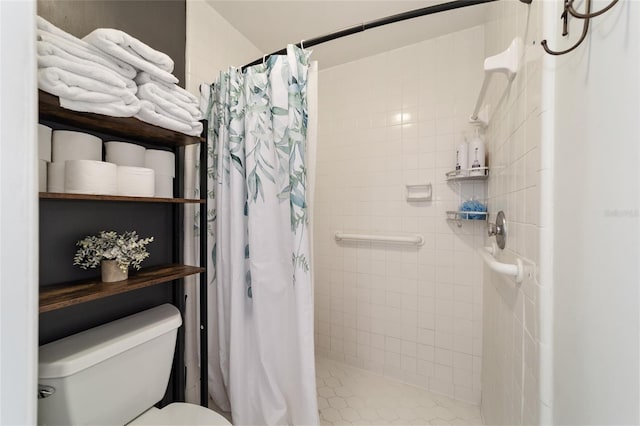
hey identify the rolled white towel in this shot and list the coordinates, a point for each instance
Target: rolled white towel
(72, 86)
(170, 104)
(77, 47)
(174, 89)
(134, 52)
(51, 56)
(150, 113)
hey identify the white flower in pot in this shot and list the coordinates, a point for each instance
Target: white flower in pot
(114, 252)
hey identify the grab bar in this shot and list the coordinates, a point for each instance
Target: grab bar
(516, 271)
(417, 239)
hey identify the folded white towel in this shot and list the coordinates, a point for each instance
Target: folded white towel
(69, 85)
(171, 105)
(76, 47)
(149, 113)
(134, 52)
(51, 56)
(186, 96)
(47, 26)
(114, 109)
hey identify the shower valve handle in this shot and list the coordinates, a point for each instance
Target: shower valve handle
(499, 229)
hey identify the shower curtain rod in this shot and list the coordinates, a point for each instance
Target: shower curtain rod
(416, 13)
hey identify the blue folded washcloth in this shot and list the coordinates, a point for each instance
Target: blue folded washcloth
(473, 206)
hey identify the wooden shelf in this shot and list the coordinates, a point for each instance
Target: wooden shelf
(62, 295)
(129, 127)
(90, 197)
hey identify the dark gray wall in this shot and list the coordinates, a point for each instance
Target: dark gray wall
(159, 23)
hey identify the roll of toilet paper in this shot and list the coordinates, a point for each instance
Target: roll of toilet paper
(55, 177)
(162, 162)
(136, 181)
(90, 177)
(124, 154)
(42, 176)
(44, 142)
(68, 145)
(164, 186)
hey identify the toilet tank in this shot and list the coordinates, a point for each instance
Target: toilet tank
(110, 374)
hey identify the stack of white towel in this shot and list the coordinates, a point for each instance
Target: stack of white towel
(167, 105)
(84, 78)
(109, 72)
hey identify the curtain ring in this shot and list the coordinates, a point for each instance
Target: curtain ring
(263, 59)
(302, 44)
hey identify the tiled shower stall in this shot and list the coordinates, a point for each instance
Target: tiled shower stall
(386, 121)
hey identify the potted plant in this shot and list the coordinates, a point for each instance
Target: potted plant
(114, 252)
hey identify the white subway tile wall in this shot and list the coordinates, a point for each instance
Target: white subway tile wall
(414, 314)
(510, 392)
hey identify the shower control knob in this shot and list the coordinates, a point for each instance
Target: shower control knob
(499, 230)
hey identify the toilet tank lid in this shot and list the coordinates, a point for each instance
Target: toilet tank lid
(75, 353)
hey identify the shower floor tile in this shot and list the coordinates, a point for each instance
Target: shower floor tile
(348, 395)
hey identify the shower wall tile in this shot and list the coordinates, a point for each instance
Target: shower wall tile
(385, 121)
(510, 344)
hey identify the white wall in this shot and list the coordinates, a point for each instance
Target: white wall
(597, 194)
(387, 121)
(510, 368)
(212, 46)
(18, 215)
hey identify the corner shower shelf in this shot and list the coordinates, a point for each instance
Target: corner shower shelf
(460, 177)
(62, 295)
(460, 215)
(455, 176)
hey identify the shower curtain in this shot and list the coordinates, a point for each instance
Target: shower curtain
(261, 132)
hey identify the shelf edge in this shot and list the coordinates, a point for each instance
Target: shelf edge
(58, 296)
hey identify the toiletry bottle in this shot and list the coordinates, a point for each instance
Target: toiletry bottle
(476, 155)
(462, 159)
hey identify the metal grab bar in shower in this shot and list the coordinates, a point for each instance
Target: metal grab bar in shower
(516, 271)
(417, 239)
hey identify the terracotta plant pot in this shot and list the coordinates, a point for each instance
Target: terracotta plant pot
(111, 272)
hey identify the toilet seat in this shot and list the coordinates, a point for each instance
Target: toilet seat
(180, 414)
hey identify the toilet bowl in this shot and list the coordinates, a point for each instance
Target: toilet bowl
(114, 374)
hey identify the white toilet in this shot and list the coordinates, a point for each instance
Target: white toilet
(114, 374)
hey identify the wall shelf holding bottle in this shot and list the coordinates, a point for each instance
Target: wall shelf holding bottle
(458, 216)
(470, 209)
(479, 173)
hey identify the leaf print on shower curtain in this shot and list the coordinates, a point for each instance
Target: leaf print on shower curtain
(264, 301)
